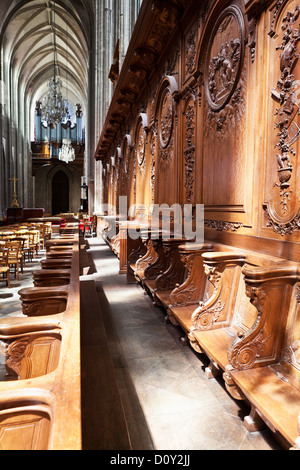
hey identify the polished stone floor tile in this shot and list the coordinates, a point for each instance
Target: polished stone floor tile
(169, 402)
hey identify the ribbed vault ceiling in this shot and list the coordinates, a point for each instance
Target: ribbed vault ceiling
(28, 47)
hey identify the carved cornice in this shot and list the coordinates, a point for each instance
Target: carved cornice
(153, 30)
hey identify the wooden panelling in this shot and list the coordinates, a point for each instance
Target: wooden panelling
(214, 120)
(213, 116)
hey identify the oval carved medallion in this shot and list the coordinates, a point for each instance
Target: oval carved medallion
(166, 118)
(140, 144)
(224, 58)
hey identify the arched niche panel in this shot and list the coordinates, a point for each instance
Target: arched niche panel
(140, 138)
(189, 167)
(223, 65)
(44, 187)
(166, 148)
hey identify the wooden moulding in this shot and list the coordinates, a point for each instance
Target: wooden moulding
(40, 406)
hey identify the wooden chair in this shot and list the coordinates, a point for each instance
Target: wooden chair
(4, 266)
(21, 254)
(14, 251)
(32, 244)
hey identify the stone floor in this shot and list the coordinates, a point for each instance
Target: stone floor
(168, 402)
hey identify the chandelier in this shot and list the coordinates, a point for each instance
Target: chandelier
(66, 152)
(54, 108)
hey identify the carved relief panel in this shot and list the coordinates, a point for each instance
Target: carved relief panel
(190, 49)
(165, 121)
(189, 148)
(226, 180)
(282, 189)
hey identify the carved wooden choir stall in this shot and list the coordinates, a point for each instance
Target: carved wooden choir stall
(40, 393)
(205, 111)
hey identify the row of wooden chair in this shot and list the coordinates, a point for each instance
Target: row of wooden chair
(18, 244)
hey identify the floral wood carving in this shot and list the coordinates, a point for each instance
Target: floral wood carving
(222, 225)
(166, 118)
(190, 51)
(189, 151)
(165, 128)
(152, 179)
(14, 353)
(183, 293)
(140, 141)
(288, 130)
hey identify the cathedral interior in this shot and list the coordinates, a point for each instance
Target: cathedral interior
(149, 226)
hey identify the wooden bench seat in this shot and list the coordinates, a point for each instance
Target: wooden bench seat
(58, 242)
(56, 254)
(264, 363)
(275, 402)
